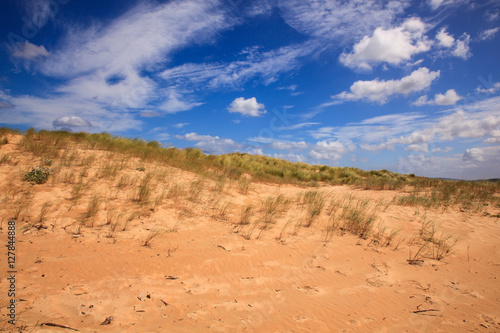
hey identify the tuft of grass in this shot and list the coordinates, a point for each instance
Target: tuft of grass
(92, 210)
(195, 190)
(175, 191)
(243, 186)
(22, 204)
(44, 210)
(151, 235)
(442, 246)
(315, 202)
(358, 219)
(246, 213)
(430, 245)
(77, 192)
(143, 192)
(8, 159)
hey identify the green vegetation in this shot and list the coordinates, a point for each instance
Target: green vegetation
(37, 175)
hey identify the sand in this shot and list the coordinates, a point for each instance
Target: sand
(205, 272)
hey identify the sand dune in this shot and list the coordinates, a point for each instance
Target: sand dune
(204, 270)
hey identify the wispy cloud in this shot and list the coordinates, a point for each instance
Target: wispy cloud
(489, 33)
(337, 17)
(267, 66)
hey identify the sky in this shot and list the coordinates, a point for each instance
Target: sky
(408, 86)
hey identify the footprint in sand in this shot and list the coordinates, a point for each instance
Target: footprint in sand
(309, 290)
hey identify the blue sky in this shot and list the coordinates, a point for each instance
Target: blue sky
(409, 86)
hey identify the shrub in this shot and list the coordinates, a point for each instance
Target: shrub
(37, 175)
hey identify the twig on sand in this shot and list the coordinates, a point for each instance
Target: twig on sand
(59, 325)
(424, 311)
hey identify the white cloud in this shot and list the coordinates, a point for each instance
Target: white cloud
(422, 148)
(291, 157)
(449, 98)
(29, 51)
(329, 150)
(393, 46)
(473, 155)
(180, 125)
(488, 34)
(218, 146)
(444, 39)
(174, 103)
(379, 91)
(212, 144)
(462, 49)
(196, 137)
(442, 150)
(247, 107)
(70, 121)
(288, 145)
(147, 34)
(495, 137)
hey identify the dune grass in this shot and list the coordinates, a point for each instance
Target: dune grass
(79, 160)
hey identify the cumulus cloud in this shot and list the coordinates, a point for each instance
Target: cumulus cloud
(495, 137)
(29, 51)
(473, 155)
(70, 121)
(444, 39)
(329, 150)
(247, 107)
(392, 46)
(380, 91)
(449, 98)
